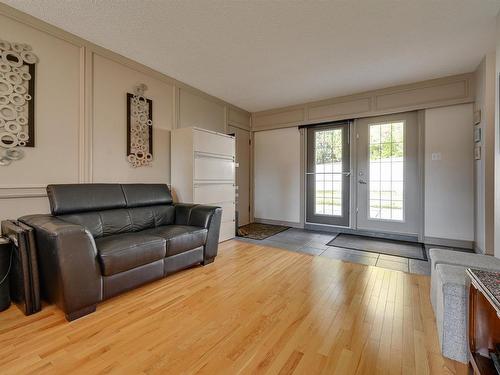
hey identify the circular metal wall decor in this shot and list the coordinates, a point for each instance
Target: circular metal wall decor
(17, 91)
(139, 128)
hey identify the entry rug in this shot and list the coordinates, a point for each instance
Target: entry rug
(257, 231)
(411, 250)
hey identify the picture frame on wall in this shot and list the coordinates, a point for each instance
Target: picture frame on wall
(477, 153)
(139, 128)
(478, 134)
(129, 124)
(27, 85)
(477, 117)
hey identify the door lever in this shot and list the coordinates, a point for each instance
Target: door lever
(362, 182)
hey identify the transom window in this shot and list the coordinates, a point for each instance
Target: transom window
(386, 184)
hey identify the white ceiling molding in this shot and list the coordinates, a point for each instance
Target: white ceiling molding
(260, 55)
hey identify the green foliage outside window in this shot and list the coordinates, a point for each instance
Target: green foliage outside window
(328, 146)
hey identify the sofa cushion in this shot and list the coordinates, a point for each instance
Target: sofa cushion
(460, 258)
(140, 195)
(180, 238)
(451, 310)
(122, 252)
(457, 258)
(452, 278)
(70, 198)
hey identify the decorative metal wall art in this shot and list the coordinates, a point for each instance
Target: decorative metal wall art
(17, 100)
(139, 128)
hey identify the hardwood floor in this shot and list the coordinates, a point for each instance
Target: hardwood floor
(255, 310)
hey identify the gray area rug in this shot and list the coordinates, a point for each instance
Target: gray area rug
(257, 231)
(410, 250)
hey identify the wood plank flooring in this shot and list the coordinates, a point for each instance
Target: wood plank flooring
(255, 310)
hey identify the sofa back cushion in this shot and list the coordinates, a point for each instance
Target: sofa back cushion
(140, 195)
(109, 222)
(107, 209)
(72, 198)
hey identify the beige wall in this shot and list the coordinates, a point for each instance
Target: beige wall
(484, 168)
(201, 112)
(81, 116)
(496, 198)
(449, 181)
(112, 81)
(277, 175)
(57, 119)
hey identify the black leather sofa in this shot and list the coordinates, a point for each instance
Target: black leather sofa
(104, 239)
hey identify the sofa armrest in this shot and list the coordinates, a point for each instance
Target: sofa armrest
(67, 257)
(208, 217)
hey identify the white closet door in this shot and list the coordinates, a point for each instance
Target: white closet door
(213, 168)
(213, 143)
(228, 212)
(205, 193)
(227, 231)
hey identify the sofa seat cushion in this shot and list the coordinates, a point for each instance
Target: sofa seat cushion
(180, 238)
(453, 279)
(451, 310)
(122, 252)
(467, 260)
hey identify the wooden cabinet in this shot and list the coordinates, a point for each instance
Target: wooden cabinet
(484, 321)
(203, 171)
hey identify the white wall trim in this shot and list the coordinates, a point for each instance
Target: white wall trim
(22, 191)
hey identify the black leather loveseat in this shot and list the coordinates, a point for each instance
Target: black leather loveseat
(104, 239)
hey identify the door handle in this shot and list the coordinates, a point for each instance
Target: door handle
(363, 182)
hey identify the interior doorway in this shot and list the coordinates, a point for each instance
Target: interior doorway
(242, 174)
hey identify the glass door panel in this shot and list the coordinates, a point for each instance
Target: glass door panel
(386, 171)
(328, 174)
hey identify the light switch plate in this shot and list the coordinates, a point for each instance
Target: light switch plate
(436, 156)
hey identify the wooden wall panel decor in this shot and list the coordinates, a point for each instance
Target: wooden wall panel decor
(279, 118)
(239, 118)
(139, 128)
(17, 100)
(330, 109)
(429, 94)
(403, 98)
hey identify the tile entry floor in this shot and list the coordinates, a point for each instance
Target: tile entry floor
(314, 243)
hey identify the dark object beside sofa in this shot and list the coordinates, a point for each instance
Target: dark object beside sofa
(23, 278)
(104, 239)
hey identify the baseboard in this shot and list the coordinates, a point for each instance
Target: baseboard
(463, 244)
(279, 222)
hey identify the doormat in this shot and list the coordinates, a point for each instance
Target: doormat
(410, 250)
(257, 231)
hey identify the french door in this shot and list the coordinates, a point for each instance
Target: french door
(328, 174)
(387, 174)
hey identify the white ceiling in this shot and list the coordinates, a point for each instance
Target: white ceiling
(266, 54)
